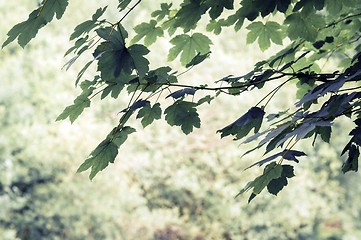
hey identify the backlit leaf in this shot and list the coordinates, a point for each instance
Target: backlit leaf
(183, 114)
(149, 31)
(188, 47)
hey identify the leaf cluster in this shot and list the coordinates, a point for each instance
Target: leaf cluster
(318, 31)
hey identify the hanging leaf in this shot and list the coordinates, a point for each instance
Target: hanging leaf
(148, 114)
(183, 114)
(181, 93)
(163, 12)
(286, 154)
(188, 47)
(198, 59)
(149, 31)
(114, 58)
(26, 30)
(53, 7)
(271, 171)
(277, 184)
(217, 7)
(304, 26)
(105, 152)
(189, 14)
(243, 125)
(88, 25)
(265, 33)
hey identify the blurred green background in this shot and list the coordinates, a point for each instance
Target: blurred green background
(164, 185)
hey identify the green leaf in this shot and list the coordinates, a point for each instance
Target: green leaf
(77, 45)
(265, 33)
(123, 4)
(164, 11)
(243, 125)
(351, 163)
(205, 99)
(333, 6)
(198, 59)
(188, 16)
(183, 114)
(304, 26)
(271, 171)
(276, 185)
(26, 30)
(53, 7)
(80, 103)
(114, 58)
(188, 47)
(119, 137)
(325, 133)
(105, 152)
(140, 63)
(216, 26)
(73, 111)
(99, 158)
(148, 31)
(86, 26)
(217, 7)
(149, 114)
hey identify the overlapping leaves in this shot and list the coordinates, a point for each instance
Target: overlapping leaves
(106, 151)
(28, 29)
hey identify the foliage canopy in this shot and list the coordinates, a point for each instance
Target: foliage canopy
(316, 32)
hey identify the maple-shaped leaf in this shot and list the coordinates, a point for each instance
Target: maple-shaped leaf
(188, 47)
(148, 114)
(277, 184)
(304, 26)
(73, 111)
(183, 114)
(217, 7)
(114, 58)
(80, 103)
(116, 85)
(106, 151)
(163, 12)
(243, 125)
(148, 31)
(189, 14)
(216, 26)
(53, 7)
(88, 25)
(270, 172)
(265, 33)
(26, 30)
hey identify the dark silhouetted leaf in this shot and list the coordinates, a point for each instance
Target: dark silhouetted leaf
(286, 154)
(182, 93)
(242, 126)
(183, 114)
(198, 59)
(276, 185)
(351, 163)
(149, 114)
